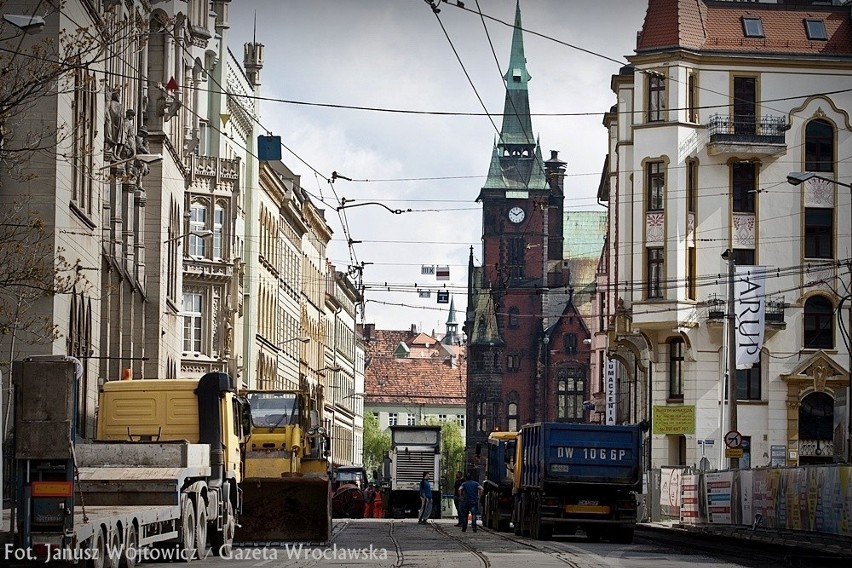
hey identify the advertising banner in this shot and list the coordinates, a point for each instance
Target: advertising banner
(611, 390)
(750, 308)
(719, 496)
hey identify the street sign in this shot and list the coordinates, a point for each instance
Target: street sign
(707, 442)
(443, 297)
(733, 452)
(733, 439)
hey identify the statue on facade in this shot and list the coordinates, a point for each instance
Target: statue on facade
(114, 128)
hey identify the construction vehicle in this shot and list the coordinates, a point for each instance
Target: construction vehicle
(161, 476)
(414, 450)
(286, 493)
(499, 475)
(347, 492)
(577, 476)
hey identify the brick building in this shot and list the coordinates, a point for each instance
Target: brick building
(526, 341)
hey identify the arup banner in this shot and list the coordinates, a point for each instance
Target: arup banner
(750, 309)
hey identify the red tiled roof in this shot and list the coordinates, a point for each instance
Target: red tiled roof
(427, 376)
(717, 26)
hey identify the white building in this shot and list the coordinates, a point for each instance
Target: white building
(721, 101)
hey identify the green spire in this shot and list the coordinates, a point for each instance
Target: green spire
(517, 125)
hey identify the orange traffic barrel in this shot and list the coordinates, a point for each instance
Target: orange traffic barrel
(378, 508)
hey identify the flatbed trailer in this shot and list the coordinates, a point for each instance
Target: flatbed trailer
(112, 503)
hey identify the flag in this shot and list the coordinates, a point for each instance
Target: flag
(750, 312)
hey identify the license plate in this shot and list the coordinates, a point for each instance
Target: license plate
(587, 502)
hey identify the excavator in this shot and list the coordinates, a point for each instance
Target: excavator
(286, 493)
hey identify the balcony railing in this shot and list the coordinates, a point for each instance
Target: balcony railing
(746, 135)
(773, 313)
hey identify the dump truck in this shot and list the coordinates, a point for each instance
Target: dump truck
(499, 473)
(159, 481)
(286, 491)
(577, 476)
(414, 449)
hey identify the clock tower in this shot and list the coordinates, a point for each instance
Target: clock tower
(510, 307)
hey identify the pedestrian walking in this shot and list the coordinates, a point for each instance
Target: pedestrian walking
(369, 498)
(425, 499)
(470, 493)
(456, 499)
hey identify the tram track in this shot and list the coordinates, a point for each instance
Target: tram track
(464, 544)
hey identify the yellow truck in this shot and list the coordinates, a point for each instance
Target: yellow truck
(286, 491)
(160, 481)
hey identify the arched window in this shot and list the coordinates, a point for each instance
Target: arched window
(512, 415)
(819, 323)
(819, 146)
(197, 222)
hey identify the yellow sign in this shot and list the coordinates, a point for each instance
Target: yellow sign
(733, 452)
(674, 419)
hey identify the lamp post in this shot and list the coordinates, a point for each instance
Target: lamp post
(797, 178)
(199, 233)
(144, 158)
(27, 24)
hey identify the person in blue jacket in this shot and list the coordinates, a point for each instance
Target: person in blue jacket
(425, 499)
(470, 493)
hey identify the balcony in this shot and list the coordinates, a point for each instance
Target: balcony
(773, 312)
(746, 136)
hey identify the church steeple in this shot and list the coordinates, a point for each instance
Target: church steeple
(517, 125)
(451, 337)
(516, 162)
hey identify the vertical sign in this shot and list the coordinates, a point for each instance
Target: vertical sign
(750, 307)
(611, 389)
(442, 273)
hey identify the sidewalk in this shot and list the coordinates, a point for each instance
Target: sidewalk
(824, 543)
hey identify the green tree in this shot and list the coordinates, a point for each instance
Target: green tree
(452, 452)
(376, 444)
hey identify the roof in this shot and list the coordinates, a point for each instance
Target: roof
(717, 26)
(430, 374)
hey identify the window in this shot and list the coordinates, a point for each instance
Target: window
(84, 109)
(744, 182)
(656, 96)
(692, 98)
(512, 415)
(819, 233)
(815, 29)
(393, 418)
(819, 146)
(513, 317)
(517, 247)
(655, 273)
(482, 417)
(691, 185)
(752, 27)
(570, 393)
(412, 420)
(691, 272)
(218, 230)
(676, 368)
(197, 222)
(442, 418)
(744, 257)
(569, 341)
(655, 180)
(192, 307)
(513, 363)
(745, 105)
(819, 323)
(748, 383)
(460, 420)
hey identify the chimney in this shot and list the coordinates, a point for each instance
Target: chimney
(555, 170)
(413, 329)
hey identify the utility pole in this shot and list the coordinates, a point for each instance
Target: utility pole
(732, 351)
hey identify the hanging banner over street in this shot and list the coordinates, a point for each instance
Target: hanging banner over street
(750, 310)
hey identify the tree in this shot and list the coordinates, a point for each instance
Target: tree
(376, 443)
(452, 451)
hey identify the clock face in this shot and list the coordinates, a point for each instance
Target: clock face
(516, 214)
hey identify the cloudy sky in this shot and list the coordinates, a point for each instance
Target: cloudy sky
(398, 55)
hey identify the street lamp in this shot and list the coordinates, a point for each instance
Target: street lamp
(299, 338)
(732, 352)
(797, 178)
(27, 24)
(144, 158)
(199, 233)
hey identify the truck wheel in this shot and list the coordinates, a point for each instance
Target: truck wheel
(97, 551)
(623, 536)
(545, 532)
(593, 534)
(187, 530)
(503, 525)
(201, 530)
(223, 540)
(130, 552)
(114, 542)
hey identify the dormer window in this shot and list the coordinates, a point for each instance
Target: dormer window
(516, 75)
(752, 26)
(815, 29)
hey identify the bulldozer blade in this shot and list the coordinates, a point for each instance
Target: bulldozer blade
(291, 509)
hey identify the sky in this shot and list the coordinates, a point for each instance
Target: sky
(398, 55)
